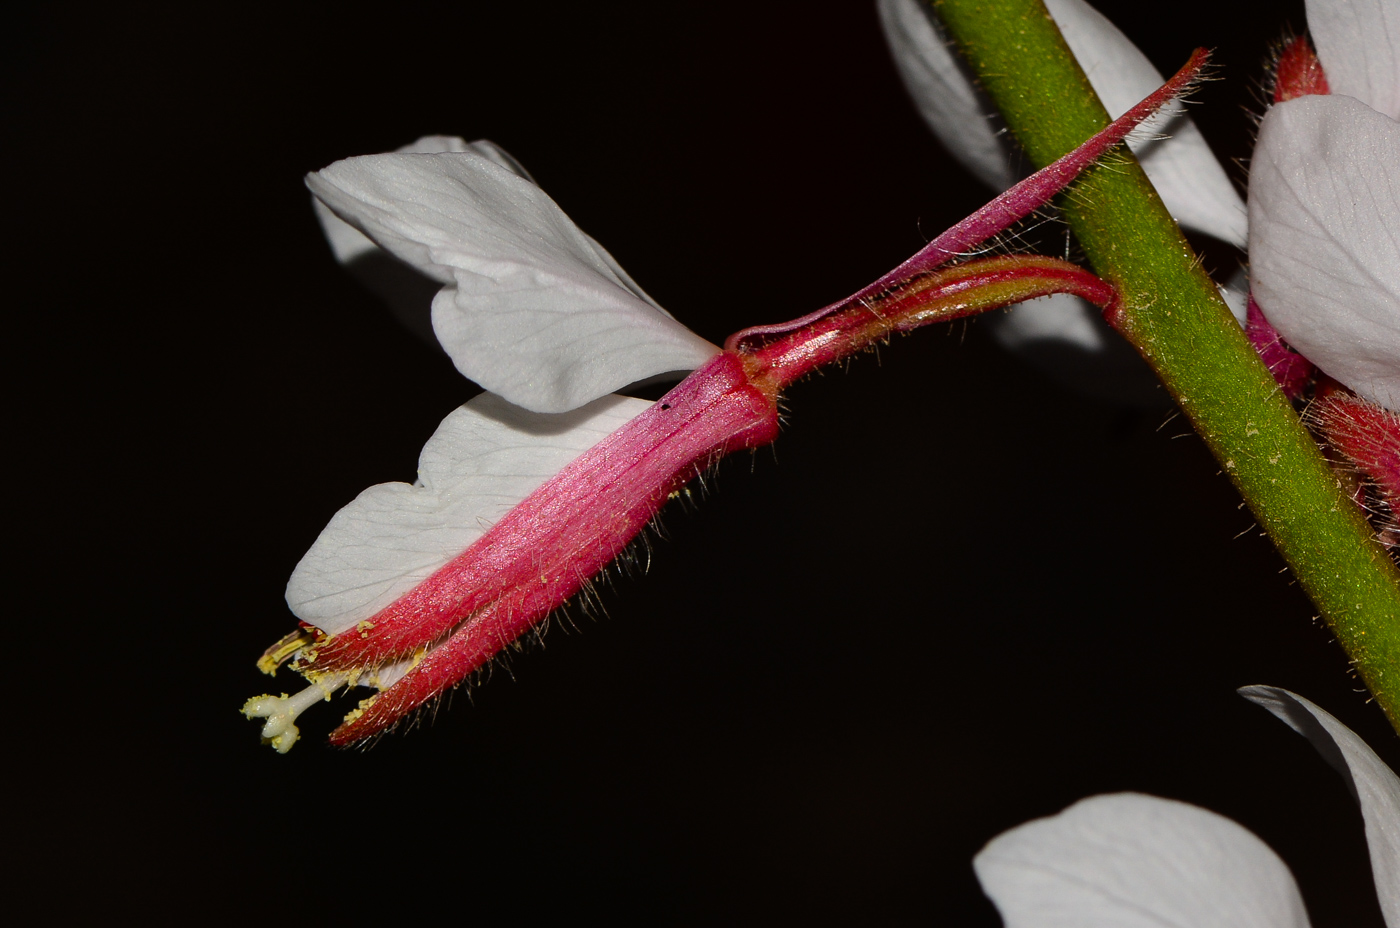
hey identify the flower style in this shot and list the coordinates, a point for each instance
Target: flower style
(1128, 859)
(528, 491)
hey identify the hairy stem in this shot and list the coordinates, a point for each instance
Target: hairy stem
(1172, 313)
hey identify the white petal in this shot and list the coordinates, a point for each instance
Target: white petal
(1324, 243)
(1358, 43)
(408, 293)
(1060, 317)
(485, 457)
(1375, 786)
(1190, 180)
(1133, 861)
(947, 99)
(534, 309)
(349, 243)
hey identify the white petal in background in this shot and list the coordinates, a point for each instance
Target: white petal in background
(1373, 785)
(1324, 249)
(1067, 340)
(948, 101)
(1189, 178)
(1059, 316)
(1358, 43)
(1133, 861)
(348, 243)
(484, 458)
(534, 309)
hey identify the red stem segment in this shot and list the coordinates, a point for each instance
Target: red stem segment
(939, 296)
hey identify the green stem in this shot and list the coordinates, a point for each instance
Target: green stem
(1173, 315)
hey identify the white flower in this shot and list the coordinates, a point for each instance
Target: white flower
(531, 308)
(1128, 860)
(1324, 204)
(1180, 165)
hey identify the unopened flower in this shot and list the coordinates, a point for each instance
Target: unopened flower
(1128, 859)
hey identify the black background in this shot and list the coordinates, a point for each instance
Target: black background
(955, 598)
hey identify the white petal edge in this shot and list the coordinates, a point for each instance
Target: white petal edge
(1127, 860)
(1324, 242)
(1186, 174)
(1373, 785)
(1358, 43)
(348, 243)
(533, 309)
(407, 292)
(945, 96)
(484, 458)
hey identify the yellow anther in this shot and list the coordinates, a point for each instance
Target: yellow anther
(283, 650)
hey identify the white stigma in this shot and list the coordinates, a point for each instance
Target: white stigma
(281, 711)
